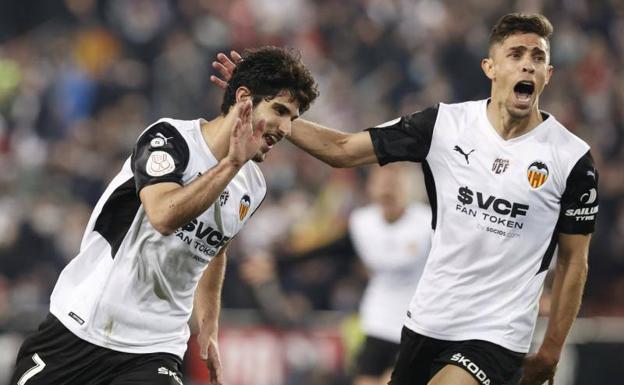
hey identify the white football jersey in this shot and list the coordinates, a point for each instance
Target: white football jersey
(498, 206)
(131, 288)
(394, 255)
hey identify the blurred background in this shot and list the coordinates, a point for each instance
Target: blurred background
(80, 79)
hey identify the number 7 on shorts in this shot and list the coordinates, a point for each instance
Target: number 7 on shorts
(30, 373)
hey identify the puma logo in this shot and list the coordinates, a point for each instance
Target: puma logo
(459, 149)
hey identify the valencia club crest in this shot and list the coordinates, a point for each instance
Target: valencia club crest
(537, 174)
(243, 208)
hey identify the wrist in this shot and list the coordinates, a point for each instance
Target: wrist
(549, 354)
(230, 164)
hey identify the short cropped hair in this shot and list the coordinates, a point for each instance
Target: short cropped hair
(267, 71)
(520, 23)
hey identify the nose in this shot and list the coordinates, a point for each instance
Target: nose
(284, 127)
(527, 66)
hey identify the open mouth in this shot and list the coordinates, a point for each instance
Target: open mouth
(523, 90)
(271, 139)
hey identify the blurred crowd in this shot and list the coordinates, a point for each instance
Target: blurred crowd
(80, 80)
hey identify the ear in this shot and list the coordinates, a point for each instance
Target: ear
(549, 73)
(242, 93)
(487, 65)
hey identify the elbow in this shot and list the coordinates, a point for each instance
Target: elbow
(338, 163)
(342, 161)
(163, 225)
(585, 269)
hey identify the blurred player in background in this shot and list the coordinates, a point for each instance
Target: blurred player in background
(154, 248)
(391, 236)
(507, 185)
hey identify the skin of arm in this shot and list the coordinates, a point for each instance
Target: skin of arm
(169, 205)
(570, 275)
(337, 149)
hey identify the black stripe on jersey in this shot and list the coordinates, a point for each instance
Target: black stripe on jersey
(431, 193)
(579, 202)
(117, 215)
(407, 139)
(550, 251)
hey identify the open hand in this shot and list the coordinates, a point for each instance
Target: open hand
(245, 141)
(225, 65)
(209, 353)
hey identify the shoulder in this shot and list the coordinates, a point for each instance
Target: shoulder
(565, 139)
(178, 128)
(460, 115)
(255, 177)
(462, 108)
(569, 147)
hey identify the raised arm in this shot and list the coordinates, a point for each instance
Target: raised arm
(336, 148)
(403, 139)
(567, 291)
(159, 160)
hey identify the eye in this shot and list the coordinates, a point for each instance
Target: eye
(515, 55)
(281, 110)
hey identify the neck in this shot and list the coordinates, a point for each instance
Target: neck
(216, 133)
(393, 214)
(508, 126)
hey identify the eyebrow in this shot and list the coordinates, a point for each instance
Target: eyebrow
(523, 48)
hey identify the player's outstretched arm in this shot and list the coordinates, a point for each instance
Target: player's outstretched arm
(570, 276)
(206, 308)
(336, 148)
(169, 205)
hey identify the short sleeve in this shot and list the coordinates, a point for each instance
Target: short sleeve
(160, 155)
(579, 202)
(406, 138)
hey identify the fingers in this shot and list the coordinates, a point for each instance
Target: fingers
(238, 127)
(259, 129)
(218, 82)
(228, 64)
(223, 70)
(213, 363)
(225, 66)
(245, 112)
(236, 57)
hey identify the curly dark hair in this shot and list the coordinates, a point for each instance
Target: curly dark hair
(267, 71)
(520, 23)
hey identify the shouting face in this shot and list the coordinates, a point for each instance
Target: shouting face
(519, 69)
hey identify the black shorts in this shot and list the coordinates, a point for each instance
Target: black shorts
(55, 356)
(376, 357)
(420, 358)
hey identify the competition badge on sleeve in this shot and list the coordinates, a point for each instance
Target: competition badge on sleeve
(159, 163)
